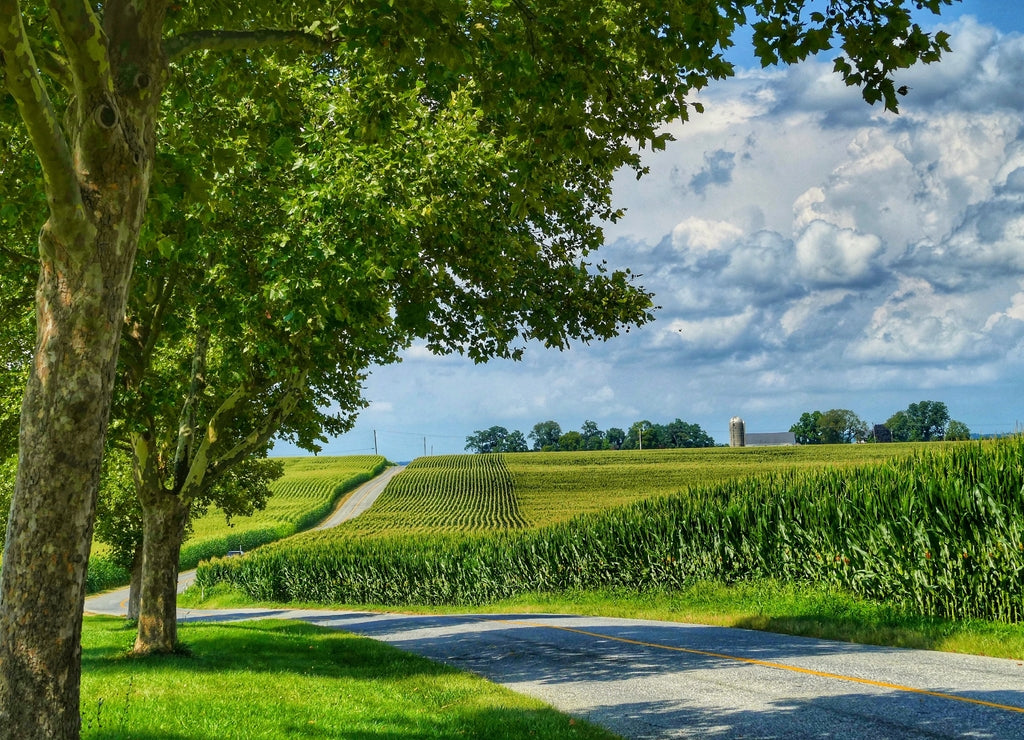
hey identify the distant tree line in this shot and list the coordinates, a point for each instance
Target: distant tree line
(547, 436)
(924, 421)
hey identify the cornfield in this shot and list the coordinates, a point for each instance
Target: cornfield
(305, 494)
(448, 493)
(939, 532)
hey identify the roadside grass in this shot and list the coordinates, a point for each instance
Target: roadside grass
(278, 679)
(769, 606)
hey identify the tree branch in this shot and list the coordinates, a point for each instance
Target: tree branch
(186, 43)
(267, 427)
(187, 420)
(17, 256)
(86, 47)
(163, 303)
(54, 66)
(205, 470)
(28, 89)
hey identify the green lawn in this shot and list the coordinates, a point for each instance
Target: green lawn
(286, 680)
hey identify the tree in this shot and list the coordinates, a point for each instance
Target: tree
(842, 426)
(496, 439)
(924, 421)
(638, 436)
(516, 442)
(615, 438)
(680, 434)
(570, 442)
(899, 425)
(545, 435)
(957, 431)
(89, 84)
(591, 437)
(807, 429)
(835, 426)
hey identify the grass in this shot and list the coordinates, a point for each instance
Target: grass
(769, 606)
(272, 680)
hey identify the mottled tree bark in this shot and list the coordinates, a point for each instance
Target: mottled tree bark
(96, 161)
(164, 520)
(63, 423)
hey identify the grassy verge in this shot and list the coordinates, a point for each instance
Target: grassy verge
(795, 609)
(288, 680)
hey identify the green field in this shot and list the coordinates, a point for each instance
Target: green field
(307, 492)
(936, 530)
(481, 493)
(452, 493)
(555, 486)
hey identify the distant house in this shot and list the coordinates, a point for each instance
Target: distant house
(771, 439)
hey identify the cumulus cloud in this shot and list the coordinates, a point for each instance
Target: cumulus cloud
(829, 255)
(917, 324)
(717, 170)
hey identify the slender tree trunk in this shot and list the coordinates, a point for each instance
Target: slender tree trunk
(135, 585)
(80, 309)
(164, 517)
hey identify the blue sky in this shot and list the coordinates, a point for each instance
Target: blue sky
(807, 251)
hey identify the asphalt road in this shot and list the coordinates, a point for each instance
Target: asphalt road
(361, 499)
(646, 679)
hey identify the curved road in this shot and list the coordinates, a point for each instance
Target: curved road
(647, 679)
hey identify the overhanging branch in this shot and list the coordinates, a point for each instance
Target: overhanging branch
(268, 426)
(206, 468)
(27, 87)
(220, 41)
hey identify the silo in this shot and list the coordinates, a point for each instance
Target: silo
(737, 432)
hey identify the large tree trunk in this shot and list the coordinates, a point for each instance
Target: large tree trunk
(164, 517)
(80, 310)
(96, 166)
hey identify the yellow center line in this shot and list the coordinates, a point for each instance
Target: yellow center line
(766, 664)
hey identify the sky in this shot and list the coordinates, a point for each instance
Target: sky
(807, 252)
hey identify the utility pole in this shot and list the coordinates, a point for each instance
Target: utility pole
(375, 452)
(424, 447)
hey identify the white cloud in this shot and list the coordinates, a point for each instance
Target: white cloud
(801, 313)
(700, 236)
(716, 334)
(919, 325)
(828, 255)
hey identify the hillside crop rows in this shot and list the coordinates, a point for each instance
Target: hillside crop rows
(447, 493)
(305, 494)
(937, 532)
(556, 486)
